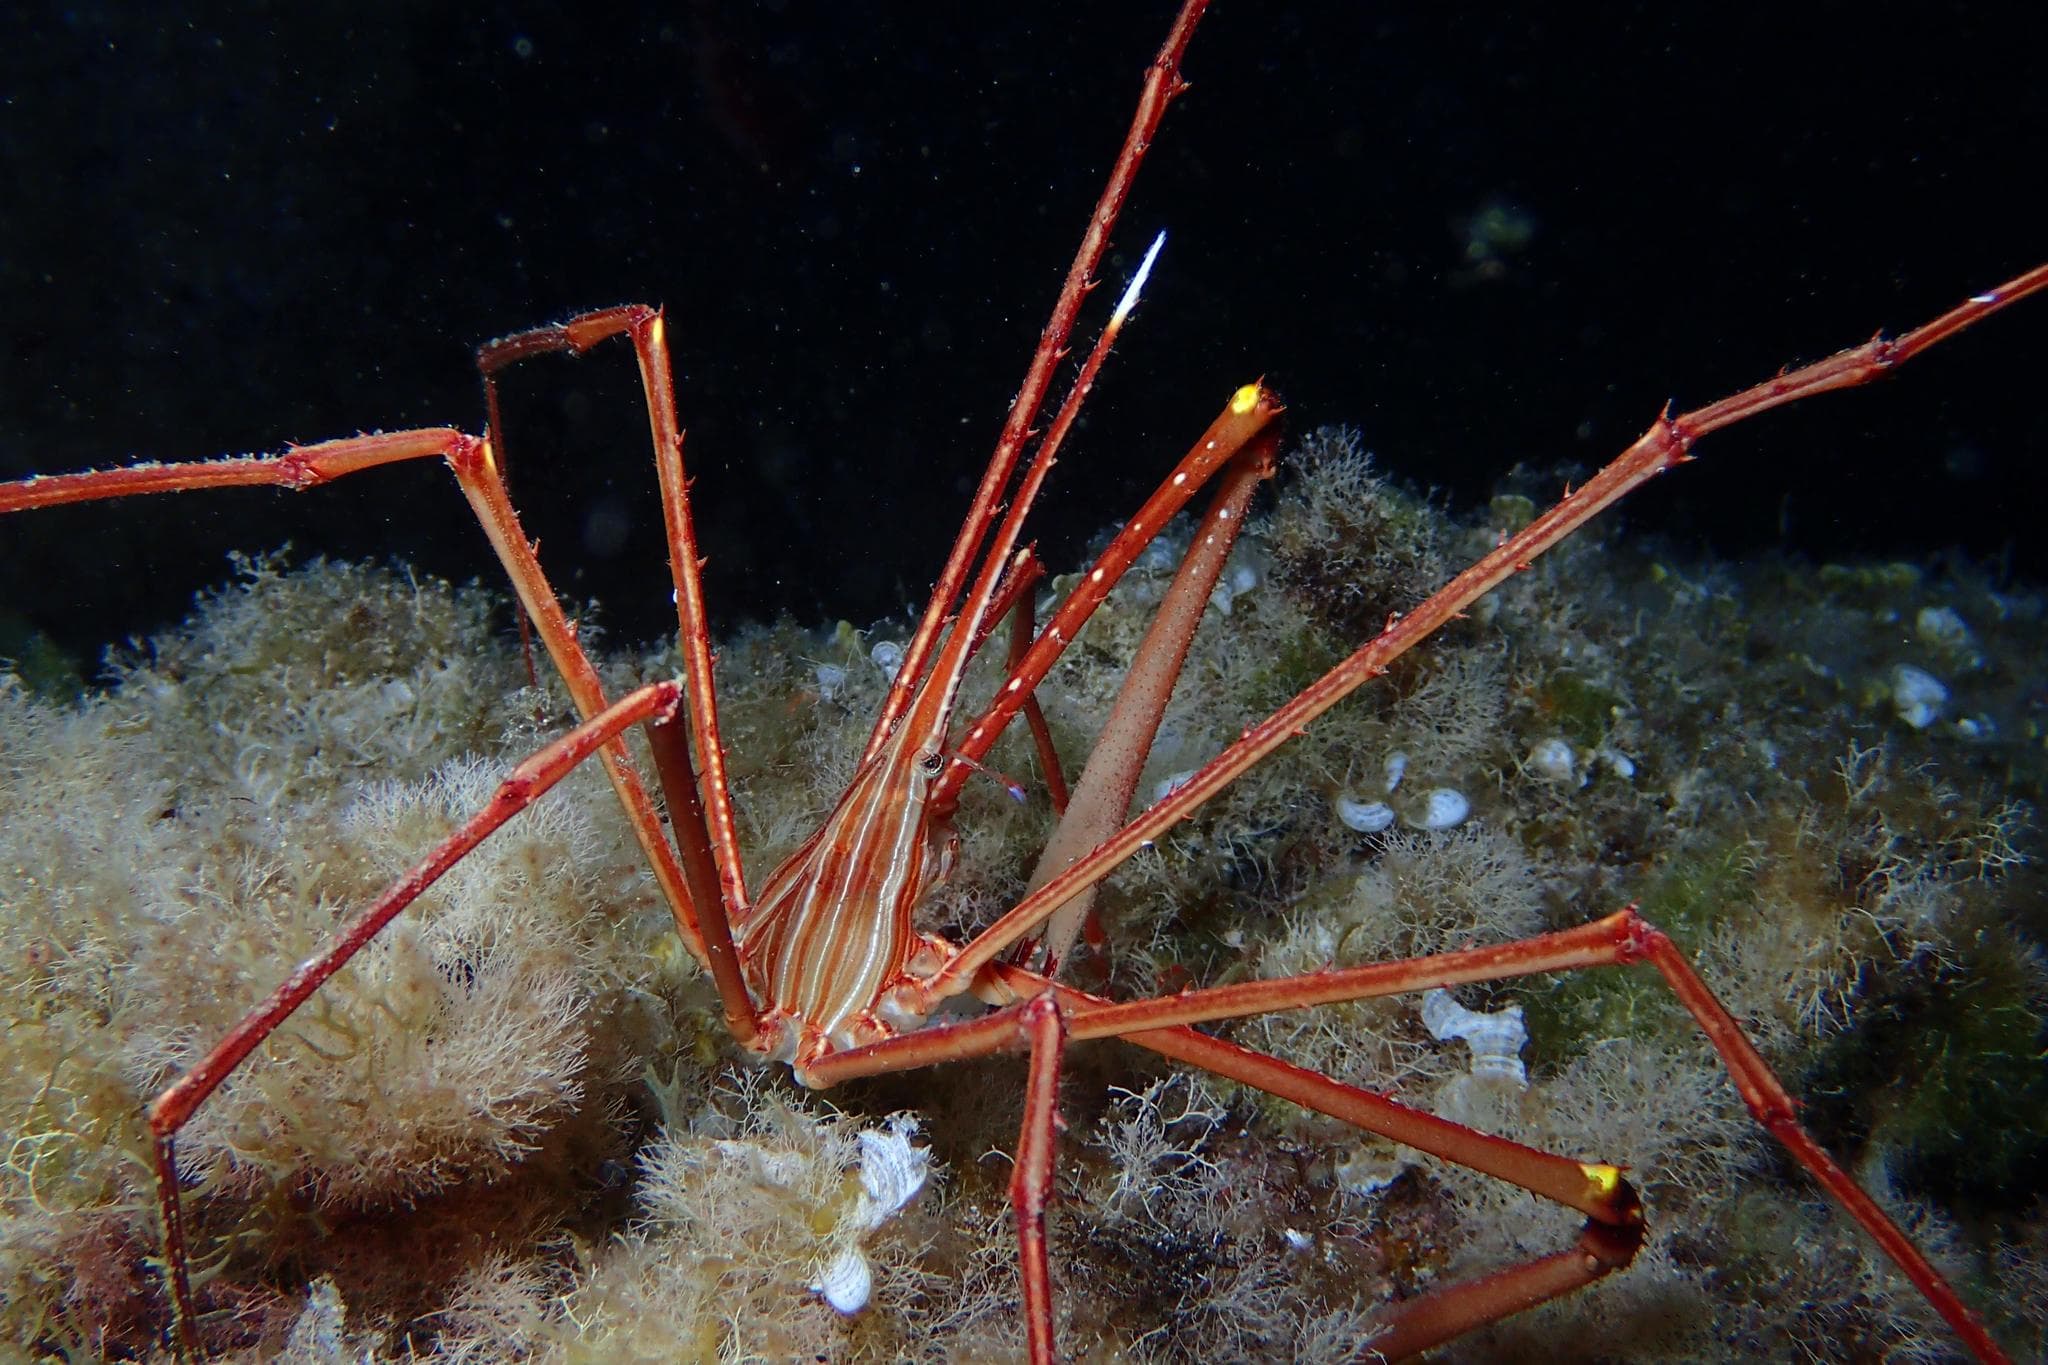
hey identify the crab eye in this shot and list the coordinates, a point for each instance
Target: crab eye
(931, 764)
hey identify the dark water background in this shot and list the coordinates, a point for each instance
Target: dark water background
(229, 227)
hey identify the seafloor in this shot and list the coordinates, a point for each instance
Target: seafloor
(514, 1130)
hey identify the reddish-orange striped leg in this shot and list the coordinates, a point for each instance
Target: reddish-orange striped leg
(1666, 445)
(474, 464)
(1615, 1229)
(1162, 84)
(1023, 626)
(1250, 411)
(172, 1109)
(1110, 778)
(700, 801)
(1618, 940)
(1044, 1029)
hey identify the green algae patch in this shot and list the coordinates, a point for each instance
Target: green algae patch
(1694, 892)
(1948, 1073)
(1581, 708)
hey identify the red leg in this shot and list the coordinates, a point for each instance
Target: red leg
(172, 1109)
(1162, 84)
(1594, 1188)
(1664, 446)
(1022, 628)
(700, 800)
(1031, 1177)
(1251, 410)
(299, 467)
(1617, 940)
(1103, 796)
(475, 467)
(1608, 1243)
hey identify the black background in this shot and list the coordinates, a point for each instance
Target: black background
(226, 228)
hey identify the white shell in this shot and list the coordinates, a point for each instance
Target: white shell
(1496, 1039)
(1555, 760)
(1396, 769)
(846, 1282)
(1618, 763)
(831, 677)
(1918, 696)
(1367, 817)
(1364, 1171)
(1944, 627)
(1444, 808)
(888, 656)
(891, 1173)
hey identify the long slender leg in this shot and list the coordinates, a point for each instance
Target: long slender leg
(1608, 1242)
(1031, 1177)
(701, 811)
(1162, 84)
(1102, 798)
(1250, 411)
(1613, 1232)
(1666, 445)
(1022, 628)
(1618, 940)
(296, 469)
(1012, 593)
(475, 468)
(485, 488)
(936, 689)
(172, 1109)
(1014, 600)
(1596, 1189)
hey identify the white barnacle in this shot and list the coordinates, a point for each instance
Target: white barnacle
(1496, 1039)
(1444, 808)
(1367, 817)
(1918, 696)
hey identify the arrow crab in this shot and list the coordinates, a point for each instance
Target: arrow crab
(783, 991)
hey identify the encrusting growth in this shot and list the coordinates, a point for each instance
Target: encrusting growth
(833, 970)
(1786, 857)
